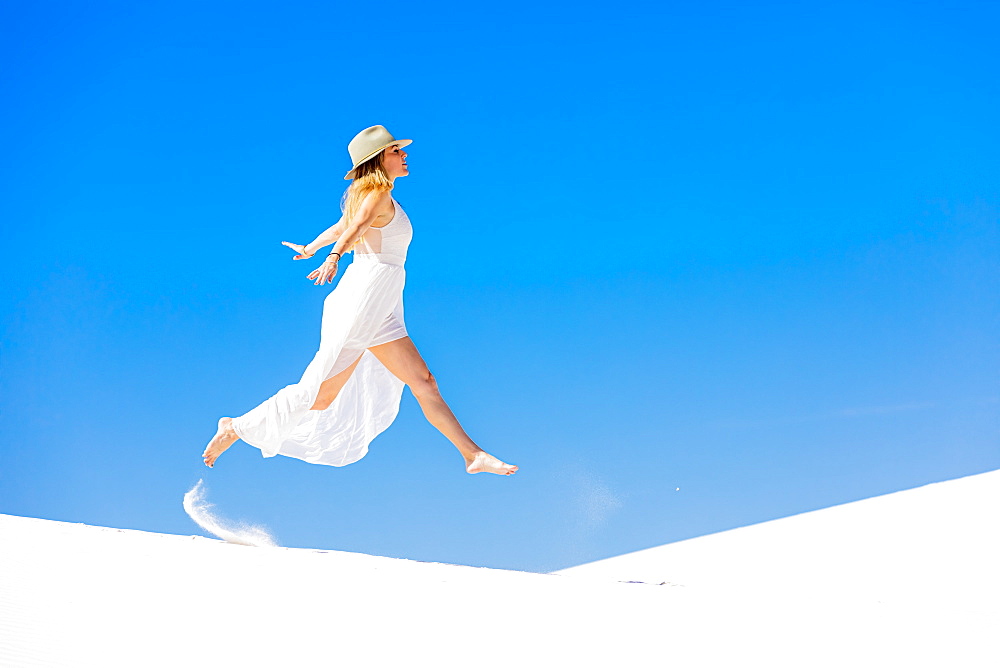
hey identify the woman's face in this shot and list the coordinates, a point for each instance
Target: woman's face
(394, 162)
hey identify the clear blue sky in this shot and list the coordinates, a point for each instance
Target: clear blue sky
(746, 250)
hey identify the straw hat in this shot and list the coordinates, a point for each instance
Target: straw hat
(370, 142)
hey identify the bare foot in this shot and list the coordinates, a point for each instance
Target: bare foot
(484, 462)
(223, 438)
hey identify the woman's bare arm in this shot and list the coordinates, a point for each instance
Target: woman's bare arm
(327, 237)
(368, 213)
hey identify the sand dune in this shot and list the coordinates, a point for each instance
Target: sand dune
(938, 543)
(907, 579)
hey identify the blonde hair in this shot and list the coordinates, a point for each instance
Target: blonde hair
(369, 177)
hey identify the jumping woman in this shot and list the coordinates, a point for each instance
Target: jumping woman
(350, 392)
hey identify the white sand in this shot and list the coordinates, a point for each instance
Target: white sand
(202, 512)
(909, 579)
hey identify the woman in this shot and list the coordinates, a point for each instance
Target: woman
(350, 391)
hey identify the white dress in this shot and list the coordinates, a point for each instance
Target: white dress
(364, 310)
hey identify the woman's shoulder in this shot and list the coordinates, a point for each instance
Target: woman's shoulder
(377, 201)
(377, 197)
(384, 207)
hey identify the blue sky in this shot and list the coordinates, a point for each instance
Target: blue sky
(691, 266)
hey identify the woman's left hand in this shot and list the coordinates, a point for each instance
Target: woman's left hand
(298, 248)
(325, 273)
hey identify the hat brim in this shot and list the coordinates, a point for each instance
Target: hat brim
(396, 142)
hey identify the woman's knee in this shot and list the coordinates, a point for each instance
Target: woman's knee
(424, 385)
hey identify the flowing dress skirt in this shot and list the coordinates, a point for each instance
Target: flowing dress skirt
(365, 310)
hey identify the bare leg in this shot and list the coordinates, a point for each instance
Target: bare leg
(331, 387)
(403, 360)
(225, 436)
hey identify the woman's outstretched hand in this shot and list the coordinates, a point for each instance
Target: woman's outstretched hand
(298, 248)
(325, 273)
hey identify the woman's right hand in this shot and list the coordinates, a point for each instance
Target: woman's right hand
(298, 248)
(325, 273)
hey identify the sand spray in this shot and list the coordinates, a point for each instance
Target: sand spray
(240, 533)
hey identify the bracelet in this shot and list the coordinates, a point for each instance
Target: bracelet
(331, 255)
